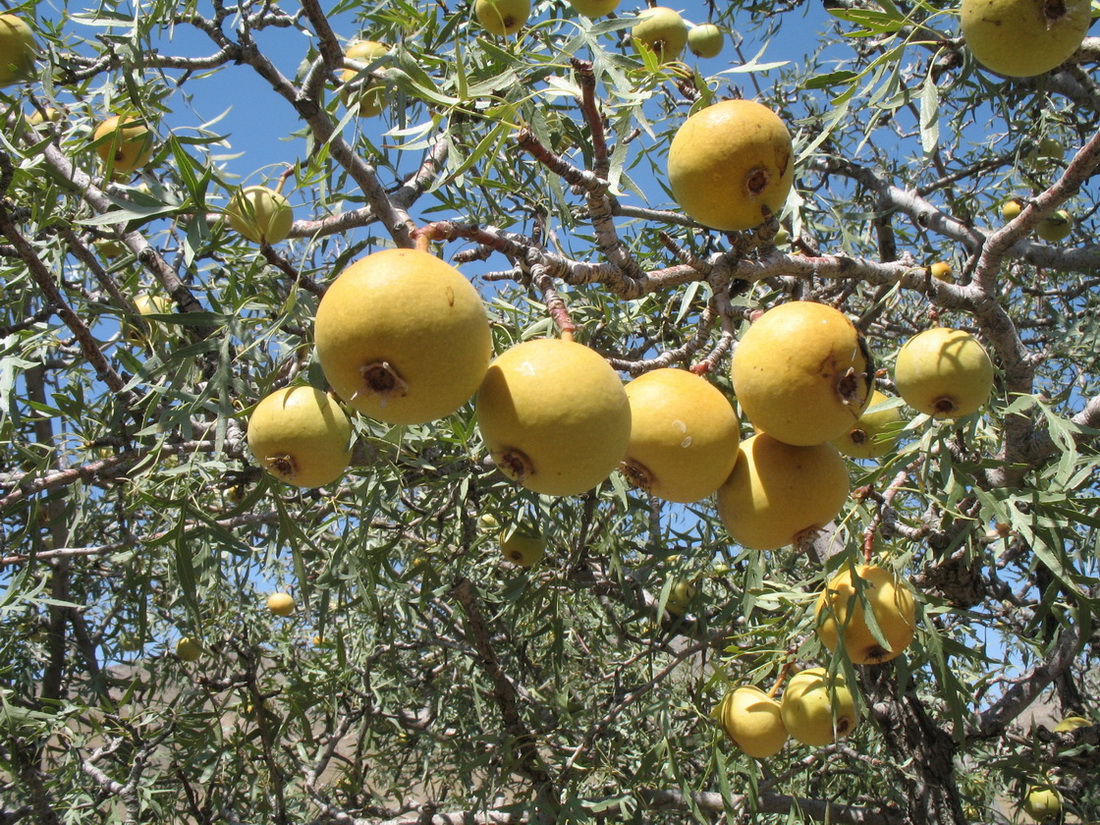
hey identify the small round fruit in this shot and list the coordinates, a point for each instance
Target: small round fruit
(778, 494)
(522, 546)
(944, 373)
(875, 434)
(802, 373)
(1012, 209)
(487, 522)
(188, 649)
(502, 17)
(730, 165)
(662, 30)
(941, 270)
(1072, 723)
(403, 337)
(1056, 227)
(260, 214)
(554, 416)
(281, 604)
(147, 304)
(816, 710)
(301, 436)
(124, 143)
(841, 605)
(1043, 802)
(371, 98)
(47, 115)
(753, 721)
(680, 596)
(17, 49)
(110, 249)
(594, 8)
(705, 40)
(683, 435)
(1024, 38)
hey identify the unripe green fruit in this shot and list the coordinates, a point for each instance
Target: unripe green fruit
(1056, 227)
(944, 373)
(260, 214)
(731, 165)
(17, 49)
(124, 143)
(300, 436)
(1024, 38)
(522, 546)
(802, 373)
(811, 703)
(662, 30)
(753, 721)
(1043, 802)
(876, 432)
(705, 40)
(841, 613)
(403, 337)
(594, 8)
(502, 17)
(683, 435)
(778, 494)
(370, 99)
(554, 416)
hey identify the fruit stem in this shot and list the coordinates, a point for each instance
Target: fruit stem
(779, 680)
(423, 241)
(283, 179)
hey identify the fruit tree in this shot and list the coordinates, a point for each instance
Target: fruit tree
(507, 412)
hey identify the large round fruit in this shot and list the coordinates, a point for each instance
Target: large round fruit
(188, 649)
(777, 494)
(1043, 802)
(370, 99)
(683, 435)
(802, 374)
(816, 710)
(875, 434)
(753, 721)
(731, 165)
(705, 40)
(842, 606)
(944, 372)
(1024, 38)
(281, 604)
(403, 337)
(17, 49)
(260, 214)
(554, 416)
(124, 143)
(594, 8)
(662, 30)
(300, 436)
(502, 17)
(1056, 227)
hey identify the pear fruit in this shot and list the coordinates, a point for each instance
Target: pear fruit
(662, 30)
(300, 436)
(1056, 227)
(944, 372)
(594, 8)
(1011, 209)
(502, 17)
(778, 494)
(17, 49)
(1072, 723)
(811, 703)
(124, 143)
(403, 337)
(1024, 38)
(875, 433)
(705, 40)
(281, 604)
(730, 165)
(370, 99)
(802, 373)
(841, 614)
(1043, 802)
(683, 435)
(188, 649)
(554, 416)
(260, 214)
(523, 546)
(753, 721)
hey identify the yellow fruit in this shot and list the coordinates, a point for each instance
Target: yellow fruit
(875, 434)
(594, 8)
(944, 372)
(522, 546)
(281, 604)
(811, 703)
(17, 49)
(941, 270)
(841, 606)
(260, 214)
(554, 416)
(680, 596)
(502, 17)
(802, 374)
(123, 143)
(1024, 38)
(147, 305)
(403, 337)
(662, 30)
(683, 435)
(778, 494)
(48, 115)
(1043, 802)
(188, 649)
(110, 249)
(1012, 208)
(753, 721)
(1072, 723)
(300, 436)
(705, 40)
(1056, 227)
(488, 522)
(730, 165)
(371, 98)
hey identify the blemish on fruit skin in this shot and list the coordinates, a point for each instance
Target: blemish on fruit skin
(450, 293)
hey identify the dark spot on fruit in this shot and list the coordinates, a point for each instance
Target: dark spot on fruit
(514, 463)
(944, 406)
(843, 726)
(382, 379)
(450, 297)
(781, 162)
(282, 466)
(756, 181)
(1053, 11)
(637, 474)
(516, 556)
(858, 436)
